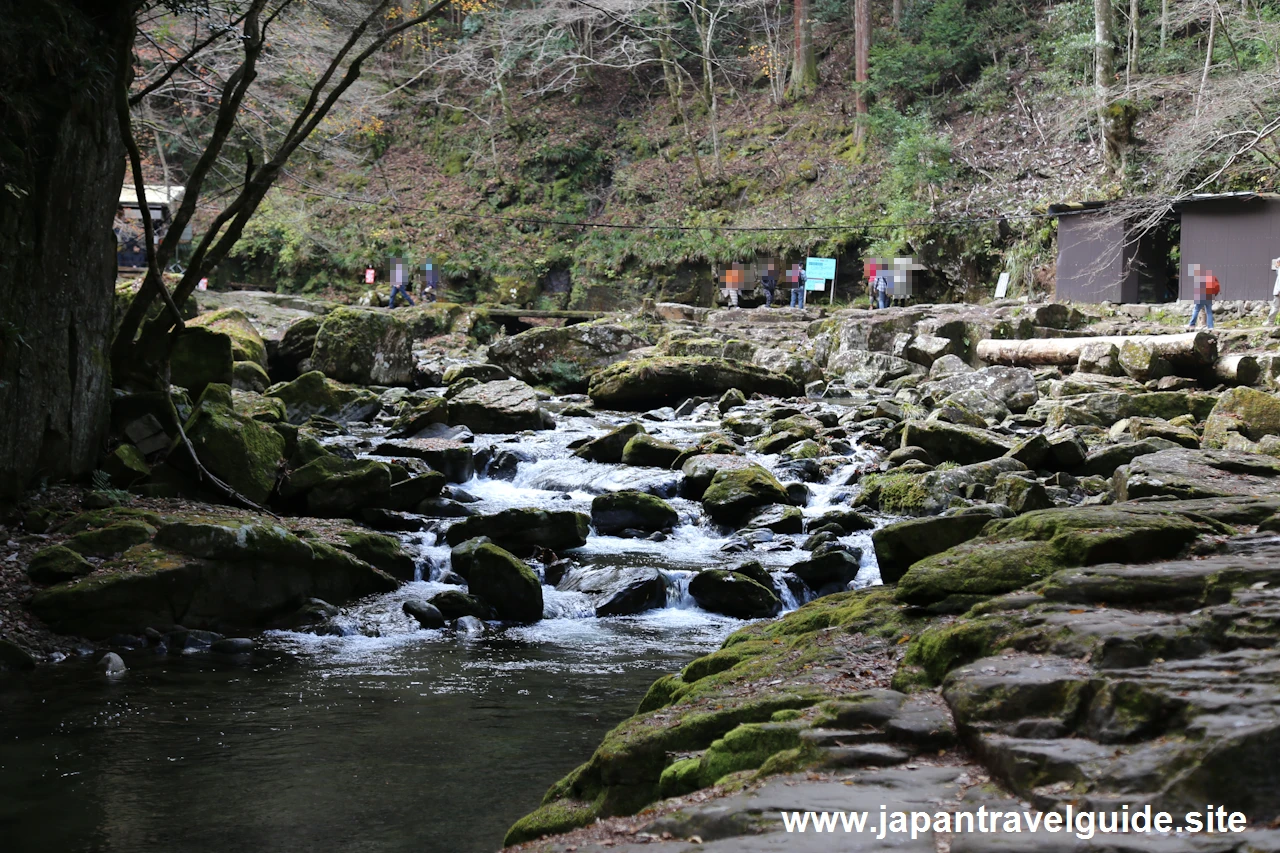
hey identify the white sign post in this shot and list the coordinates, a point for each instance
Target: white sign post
(818, 271)
(1002, 286)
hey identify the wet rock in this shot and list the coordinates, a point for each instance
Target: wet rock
(1104, 460)
(505, 406)
(382, 552)
(249, 376)
(57, 564)
(830, 569)
(232, 646)
(646, 383)
(478, 372)
(125, 466)
(645, 451)
(14, 657)
(733, 493)
(313, 394)
(798, 494)
(386, 519)
(955, 443)
(506, 584)
(898, 546)
(455, 604)
(1244, 413)
(849, 521)
(563, 358)
(1197, 474)
(365, 346)
(862, 369)
(617, 591)
(731, 399)
(778, 518)
(979, 403)
(1014, 386)
(610, 446)
(504, 463)
(242, 452)
(444, 508)
(733, 594)
(427, 615)
(187, 640)
(1144, 428)
(462, 554)
(203, 573)
(521, 530)
(757, 572)
(453, 459)
(413, 493)
(469, 626)
(1067, 451)
(112, 664)
(617, 511)
(1031, 451)
(701, 469)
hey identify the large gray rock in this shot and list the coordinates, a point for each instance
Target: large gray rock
(1014, 386)
(953, 442)
(617, 590)
(860, 368)
(900, 545)
(313, 393)
(733, 594)
(564, 358)
(506, 584)
(1184, 473)
(631, 510)
(699, 470)
(523, 530)
(505, 406)
(664, 381)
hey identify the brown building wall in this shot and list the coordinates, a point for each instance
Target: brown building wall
(1235, 239)
(1091, 260)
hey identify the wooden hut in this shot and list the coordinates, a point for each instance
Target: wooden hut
(1235, 236)
(1105, 255)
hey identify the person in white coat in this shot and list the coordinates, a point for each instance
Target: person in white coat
(1275, 294)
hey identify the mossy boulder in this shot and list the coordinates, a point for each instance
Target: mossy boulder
(563, 358)
(460, 557)
(222, 574)
(617, 590)
(365, 346)
(268, 410)
(550, 819)
(946, 442)
(201, 357)
(295, 347)
(775, 517)
(249, 376)
(57, 564)
(505, 406)
(609, 447)
(522, 530)
(454, 604)
(314, 394)
(652, 382)
(244, 453)
(421, 414)
(454, 459)
(1190, 474)
(334, 486)
(505, 583)
(645, 451)
(618, 511)
(1245, 412)
(700, 469)
(733, 594)
(111, 539)
(246, 342)
(830, 569)
(900, 545)
(1014, 553)
(732, 494)
(747, 747)
(383, 552)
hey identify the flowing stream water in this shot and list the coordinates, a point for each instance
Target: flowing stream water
(380, 736)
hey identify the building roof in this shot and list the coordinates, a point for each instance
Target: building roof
(156, 194)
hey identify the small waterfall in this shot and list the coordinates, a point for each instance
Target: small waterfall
(430, 557)
(566, 605)
(785, 594)
(678, 589)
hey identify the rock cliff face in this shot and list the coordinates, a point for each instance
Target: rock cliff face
(61, 166)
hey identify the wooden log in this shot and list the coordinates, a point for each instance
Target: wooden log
(1237, 370)
(1189, 349)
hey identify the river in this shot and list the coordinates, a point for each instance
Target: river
(382, 737)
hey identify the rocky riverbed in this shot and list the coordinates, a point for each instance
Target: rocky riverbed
(1047, 580)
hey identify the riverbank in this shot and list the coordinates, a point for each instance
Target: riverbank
(1053, 571)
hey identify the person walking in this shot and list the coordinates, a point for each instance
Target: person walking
(430, 281)
(733, 284)
(769, 282)
(797, 277)
(884, 285)
(399, 282)
(1204, 287)
(1275, 294)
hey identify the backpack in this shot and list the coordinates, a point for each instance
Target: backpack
(1211, 286)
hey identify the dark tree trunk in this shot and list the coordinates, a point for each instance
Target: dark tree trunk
(61, 169)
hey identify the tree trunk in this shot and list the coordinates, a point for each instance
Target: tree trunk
(62, 163)
(1237, 370)
(1189, 349)
(804, 64)
(1164, 22)
(1208, 57)
(861, 62)
(1131, 67)
(897, 14)
(1104, 56)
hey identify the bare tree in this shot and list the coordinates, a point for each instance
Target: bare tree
(804, 64)
(861, 62)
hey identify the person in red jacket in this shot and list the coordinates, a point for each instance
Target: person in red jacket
(1204, 288)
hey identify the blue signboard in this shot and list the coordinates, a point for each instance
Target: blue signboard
(819, 271)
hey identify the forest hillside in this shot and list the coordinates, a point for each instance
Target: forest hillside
(677, 134)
